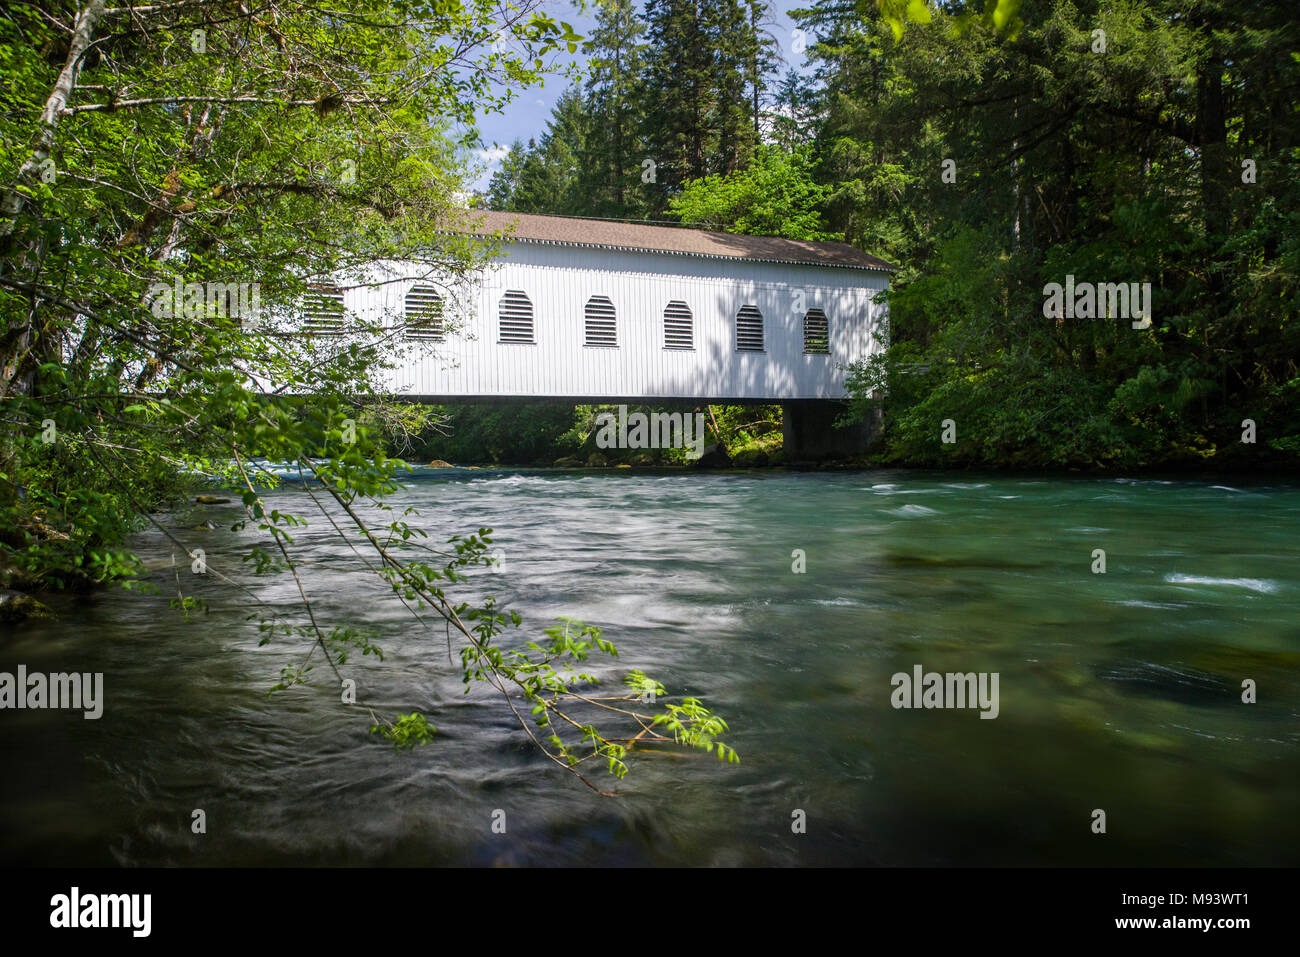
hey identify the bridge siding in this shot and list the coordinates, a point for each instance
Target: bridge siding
(559, 280)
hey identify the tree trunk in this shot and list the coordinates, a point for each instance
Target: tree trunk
(21, 249)
(1216, 175)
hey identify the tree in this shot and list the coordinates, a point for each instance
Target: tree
(505, 181)
(1110, 145)
(698, 117)
(775, 196)
(687, 102)
(551, 179)
(611, 164)
(546, 177)
(676, 95)
(733, 45)
(792, 121)
(761, 60)
(161, 161)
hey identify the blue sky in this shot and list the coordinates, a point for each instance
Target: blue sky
(527, 116)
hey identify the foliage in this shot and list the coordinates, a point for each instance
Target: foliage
(991, 149)
(545, 176)
(407, 731)
(677, 94)
(185, 146)
(611, 168)
(774, 196)
(542, 433)
(750, 434)
(502, 433)
(1109, 142)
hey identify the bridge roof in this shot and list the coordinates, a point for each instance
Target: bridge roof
(572, 231)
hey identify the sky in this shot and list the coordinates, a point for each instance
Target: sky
(527, 115)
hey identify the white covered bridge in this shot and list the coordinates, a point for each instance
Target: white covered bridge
(591, 310)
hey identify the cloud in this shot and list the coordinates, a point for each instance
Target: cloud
(494, 154)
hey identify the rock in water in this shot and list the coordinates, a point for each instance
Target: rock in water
(210, 500)
(440, 464)
(15, 606)
(713, 458)
(750, 458)
(1179, 684)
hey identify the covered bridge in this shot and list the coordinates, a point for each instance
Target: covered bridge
(599, 311)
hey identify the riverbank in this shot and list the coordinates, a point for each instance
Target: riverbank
(559, 434)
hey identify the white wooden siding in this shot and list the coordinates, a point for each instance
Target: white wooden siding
(559, 280)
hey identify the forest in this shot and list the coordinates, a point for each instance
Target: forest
(991, 151)
(995, 153)
(329, 633)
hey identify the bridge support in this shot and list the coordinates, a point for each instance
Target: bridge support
(808, 432)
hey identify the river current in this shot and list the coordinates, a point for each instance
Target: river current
(785, 601)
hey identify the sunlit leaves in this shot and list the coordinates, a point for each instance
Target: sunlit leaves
(406, 731)
(290, 149)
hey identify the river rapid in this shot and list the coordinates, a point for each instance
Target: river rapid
(787, 602)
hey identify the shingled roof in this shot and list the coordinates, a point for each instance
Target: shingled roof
(571, 231)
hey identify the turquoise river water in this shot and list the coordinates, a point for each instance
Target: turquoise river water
(1119, 692)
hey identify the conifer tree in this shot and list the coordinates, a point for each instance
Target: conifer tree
(611, 163)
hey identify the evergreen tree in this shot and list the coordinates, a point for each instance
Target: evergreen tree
(792, 120)
(1117, 146)
(728, 30)
(689, 98)
(611, 164)
(544, 177)
(762, 60)
(678, 93)
(505, 181)
(707, 65)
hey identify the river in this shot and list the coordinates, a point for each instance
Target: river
(1118, 691)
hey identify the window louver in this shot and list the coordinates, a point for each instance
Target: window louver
(323, 312)
(516, 317)
(816, 333)
(602, 328)
(679, 331)
(424, 314)
(749, 329)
